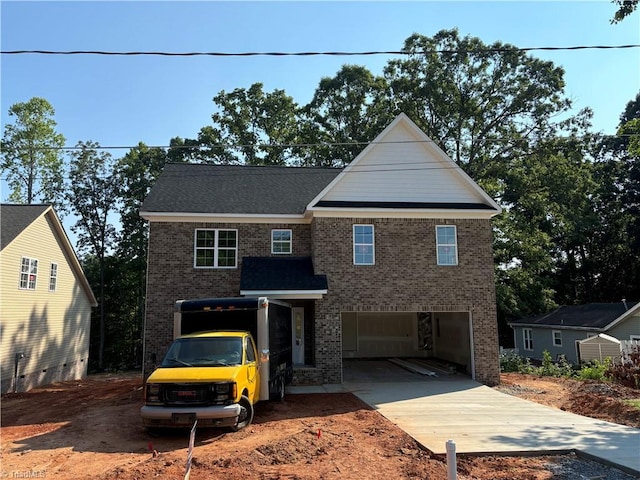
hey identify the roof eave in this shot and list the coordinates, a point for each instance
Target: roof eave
(192, 217)
(286, 294)
(402, 212)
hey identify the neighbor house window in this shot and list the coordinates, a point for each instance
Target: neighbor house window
(53, 277)
(28, 273)
(527, 339)
(280, 241)
(446, 245)
(363, 245)
(557, 338)
(216, 248)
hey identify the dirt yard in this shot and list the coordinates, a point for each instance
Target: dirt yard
(92, 429)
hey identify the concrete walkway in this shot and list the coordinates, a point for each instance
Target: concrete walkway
(482, 420)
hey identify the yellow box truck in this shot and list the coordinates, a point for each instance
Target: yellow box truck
(227, 355)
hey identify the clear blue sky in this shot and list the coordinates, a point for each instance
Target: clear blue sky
(124, 100)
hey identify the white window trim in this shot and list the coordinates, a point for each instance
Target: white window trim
(524, 339)
(454, 245)
(553, 338)
(53, 275)
(373, 243)
(28, 274)
(273, 252)
(215, 248)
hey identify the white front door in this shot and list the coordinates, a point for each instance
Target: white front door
(297, 329)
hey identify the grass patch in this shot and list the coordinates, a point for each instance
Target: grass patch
(634, 403)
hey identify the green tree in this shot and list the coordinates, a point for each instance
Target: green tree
(31, 154)
(92, 194)
(618, 204)
(137, 171)
(482, 104)
(346, 111)
(625, 8)
(258, 128)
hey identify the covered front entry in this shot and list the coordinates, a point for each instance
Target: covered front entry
(444, 336)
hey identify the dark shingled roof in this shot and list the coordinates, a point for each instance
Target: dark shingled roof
(200, 188)
(15, 218)
(280, 273)
(591, 315)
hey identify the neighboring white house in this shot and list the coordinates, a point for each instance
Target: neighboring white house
(45, 301)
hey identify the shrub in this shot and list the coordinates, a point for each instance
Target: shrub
(512, 362)
(549, 368)
(627, 373)
(595, 370)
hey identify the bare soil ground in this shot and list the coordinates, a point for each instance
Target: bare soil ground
(92, 429)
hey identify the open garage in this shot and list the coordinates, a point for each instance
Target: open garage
(429, 335)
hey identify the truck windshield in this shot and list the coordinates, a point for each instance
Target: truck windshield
(204, 352)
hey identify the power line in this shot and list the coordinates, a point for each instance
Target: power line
(200, 147)
(310, 54)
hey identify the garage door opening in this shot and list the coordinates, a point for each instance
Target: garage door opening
(443, 337)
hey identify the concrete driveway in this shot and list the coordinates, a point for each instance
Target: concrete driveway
(482, 420)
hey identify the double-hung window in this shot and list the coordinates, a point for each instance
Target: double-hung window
(557, 338)
(446, 245)
(363, 245)
(280, 241)
(28, 273)
(53, 277)
(527, 339)
(216, 248)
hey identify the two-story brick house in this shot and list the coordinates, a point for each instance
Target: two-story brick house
(388, 257)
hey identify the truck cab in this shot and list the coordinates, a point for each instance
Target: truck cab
(213, 377)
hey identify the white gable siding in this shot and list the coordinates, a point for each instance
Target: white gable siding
(403, 168)
(50, 328)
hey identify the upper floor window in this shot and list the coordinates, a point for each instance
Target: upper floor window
(281, 241)
(215, 248)
(446, 245)
(53, 277)
(527, 339)
(363, 245)
(28, 273)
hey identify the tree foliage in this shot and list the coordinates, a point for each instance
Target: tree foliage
(92, 190)
(345, 113)
(31, 157)
(625, 8)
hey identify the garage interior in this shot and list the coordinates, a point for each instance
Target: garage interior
(437, 341)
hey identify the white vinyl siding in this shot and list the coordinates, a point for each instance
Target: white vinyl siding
(28, 273)
(402, 168)
(53, 277)
(446, 245)
(215, 248)
(51, 330)
(527, 339)
(363, 245)
(281, 241)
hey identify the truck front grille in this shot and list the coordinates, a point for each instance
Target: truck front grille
(186, 394)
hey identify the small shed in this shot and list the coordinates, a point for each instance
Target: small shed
(600, 347)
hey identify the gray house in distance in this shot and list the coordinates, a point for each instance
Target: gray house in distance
(559, 331)
(390, 256)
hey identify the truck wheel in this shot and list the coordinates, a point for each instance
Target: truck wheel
(246, 414)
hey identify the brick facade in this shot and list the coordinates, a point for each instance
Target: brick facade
(405, 278)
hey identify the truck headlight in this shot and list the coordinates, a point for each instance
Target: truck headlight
(153, 393)
(223, 391)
